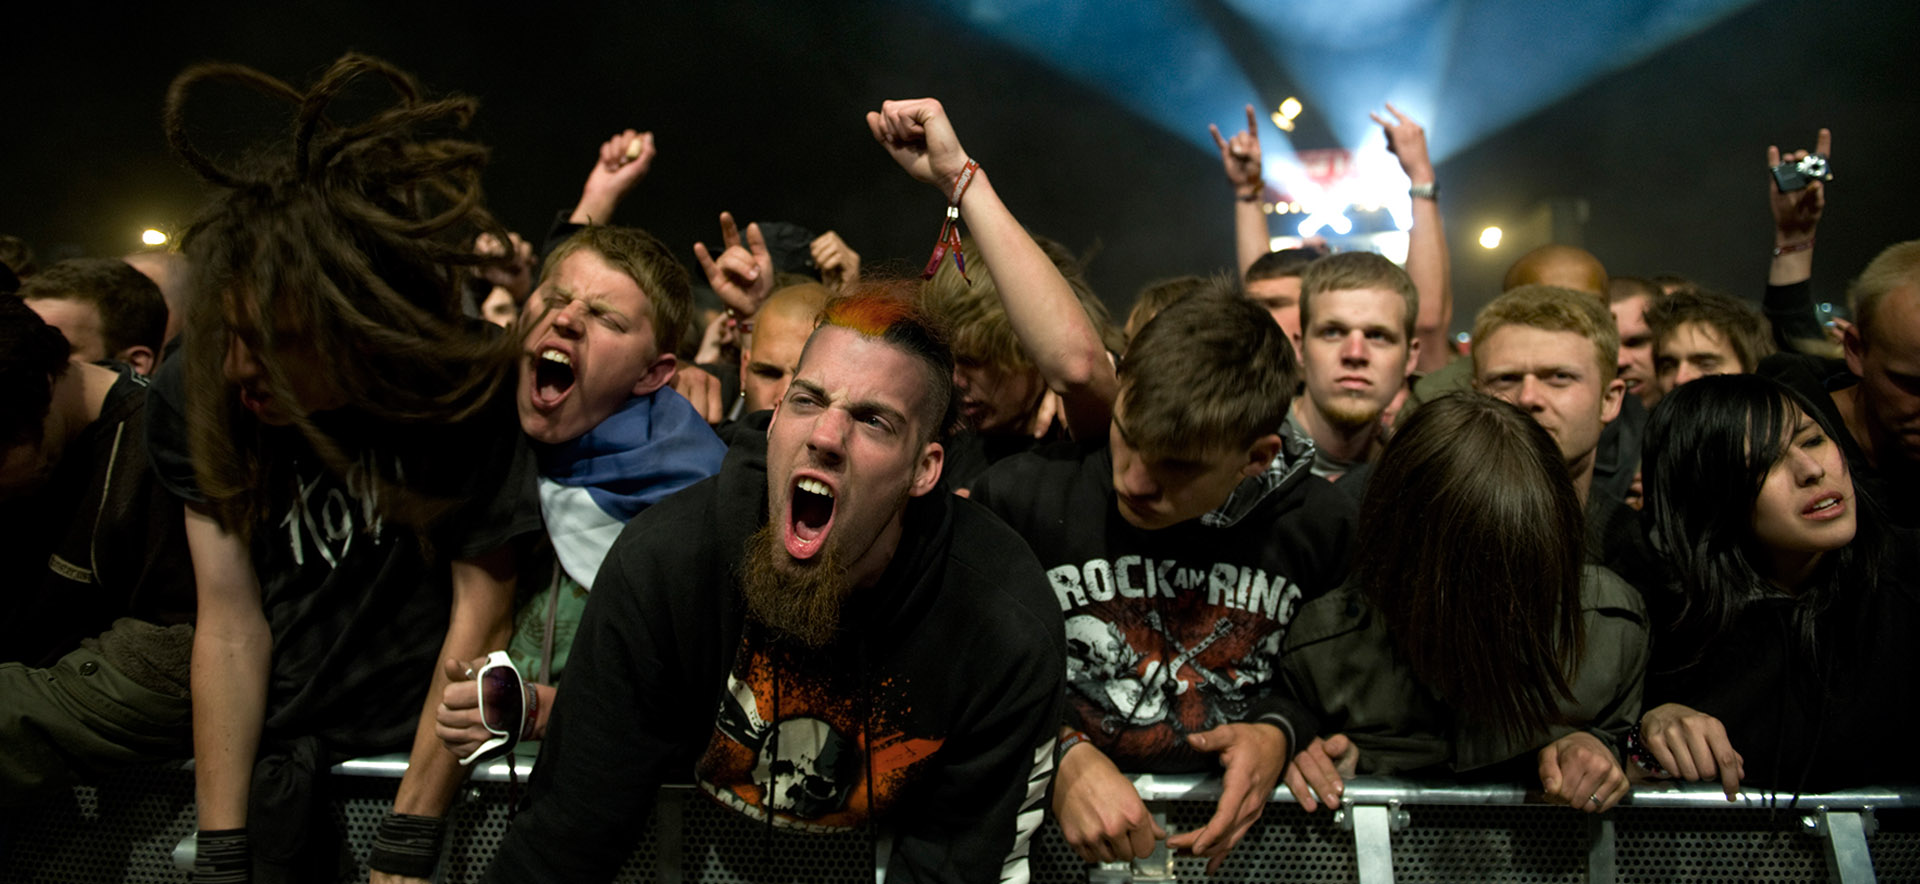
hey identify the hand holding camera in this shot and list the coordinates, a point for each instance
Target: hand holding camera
(1799, 192)
(1798, 174)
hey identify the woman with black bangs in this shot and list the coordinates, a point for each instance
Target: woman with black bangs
(1789, 660)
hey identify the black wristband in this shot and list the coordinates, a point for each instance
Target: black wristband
(1288, 734)
(408, 845)
(221, 856)
(1636, 750)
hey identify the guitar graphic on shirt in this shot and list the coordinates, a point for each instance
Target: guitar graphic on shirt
(1154, 681)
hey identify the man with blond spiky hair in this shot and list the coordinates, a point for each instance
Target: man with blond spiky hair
(1553, 352)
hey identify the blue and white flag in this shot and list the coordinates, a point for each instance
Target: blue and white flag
(590, 487)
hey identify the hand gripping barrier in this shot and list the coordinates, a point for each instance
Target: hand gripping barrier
(135, 826)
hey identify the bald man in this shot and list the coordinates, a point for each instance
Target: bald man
(1564, 266)
(769, 353)
(780, 332)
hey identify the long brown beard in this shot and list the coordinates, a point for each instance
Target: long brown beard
(799, 600)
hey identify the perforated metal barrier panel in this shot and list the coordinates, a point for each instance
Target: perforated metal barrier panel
(125, 829)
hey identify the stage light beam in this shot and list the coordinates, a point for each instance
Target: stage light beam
(153, 237)
(1490, 238)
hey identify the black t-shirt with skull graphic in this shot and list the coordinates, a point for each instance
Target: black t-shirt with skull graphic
(1175, 631)
(935, 710)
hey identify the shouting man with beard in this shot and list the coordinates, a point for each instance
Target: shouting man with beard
(814, 638)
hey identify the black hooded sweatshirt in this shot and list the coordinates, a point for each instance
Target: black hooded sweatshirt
(1175, 631)
(948, 670)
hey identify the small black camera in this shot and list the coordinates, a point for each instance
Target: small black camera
(1797, 175)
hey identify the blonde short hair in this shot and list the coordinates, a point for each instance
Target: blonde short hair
(1554, 309)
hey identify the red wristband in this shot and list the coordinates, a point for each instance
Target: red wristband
(533, 713)
(1068, 742)
(1792, 247)
(950, 229)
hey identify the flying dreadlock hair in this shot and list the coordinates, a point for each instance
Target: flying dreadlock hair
(334, 258)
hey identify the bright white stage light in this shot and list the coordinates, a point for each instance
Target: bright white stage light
(1392, 245)
(1332, 220)
(1490, 238)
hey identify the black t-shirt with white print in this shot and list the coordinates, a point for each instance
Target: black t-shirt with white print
(1175, 631)
(356, 604)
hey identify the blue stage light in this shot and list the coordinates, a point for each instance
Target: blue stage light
(1465, 69)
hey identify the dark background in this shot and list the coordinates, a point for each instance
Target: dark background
(758, 109)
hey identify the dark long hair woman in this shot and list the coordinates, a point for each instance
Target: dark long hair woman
(1470, 635)
(1794, 630)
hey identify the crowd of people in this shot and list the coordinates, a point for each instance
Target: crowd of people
(938, 557)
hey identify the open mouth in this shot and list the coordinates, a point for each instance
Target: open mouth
(552, 377)
(254, 400)
(1827, 507)
(809, 517)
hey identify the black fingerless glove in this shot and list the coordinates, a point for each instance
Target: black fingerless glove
(221, 856)
(408, 845)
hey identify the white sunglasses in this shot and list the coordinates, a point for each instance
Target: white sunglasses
(503, 707)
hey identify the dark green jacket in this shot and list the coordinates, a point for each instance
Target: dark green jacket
(1340, 663)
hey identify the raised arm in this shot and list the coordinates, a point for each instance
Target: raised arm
(839, 264)
(1796, 216)
(1041, 307)
(742, 275)
(624, 160)
(1240, 157)
(232, 649)
(1427, 259)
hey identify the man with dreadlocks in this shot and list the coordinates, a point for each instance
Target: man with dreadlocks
(354, 475)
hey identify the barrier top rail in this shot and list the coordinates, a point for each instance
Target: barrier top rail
(1370, 790)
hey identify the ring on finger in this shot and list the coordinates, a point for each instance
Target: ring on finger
(1594, 799)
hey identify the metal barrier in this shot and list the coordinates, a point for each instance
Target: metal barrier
(128, 828)
(1373, 808)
